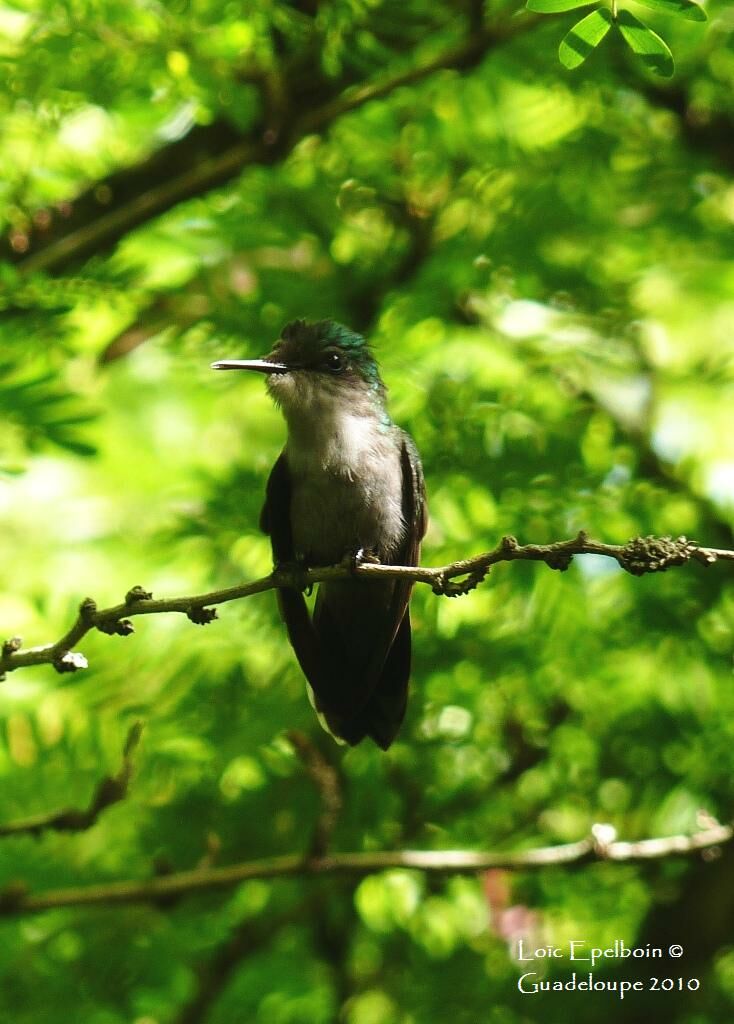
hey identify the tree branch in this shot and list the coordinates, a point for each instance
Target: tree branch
(325, 778)
(465, 55)
(213, 976)
(210, 156)
(600, 845)
(110, 790)
(639, 556)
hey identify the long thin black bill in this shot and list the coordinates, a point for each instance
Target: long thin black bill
(261, 365)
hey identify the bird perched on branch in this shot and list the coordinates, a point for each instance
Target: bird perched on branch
(348, 483)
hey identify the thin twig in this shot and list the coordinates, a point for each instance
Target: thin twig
(600, 845)
(110, 790)
(640, 555)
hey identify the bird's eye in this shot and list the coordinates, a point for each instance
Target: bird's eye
(334, 362)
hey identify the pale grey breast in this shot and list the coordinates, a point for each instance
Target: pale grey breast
(346, 490)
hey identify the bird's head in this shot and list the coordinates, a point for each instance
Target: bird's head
(314, 365)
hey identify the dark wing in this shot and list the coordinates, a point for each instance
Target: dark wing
(415, 507)
(316, 662)
(383, 713)
(275, 518)
(416, 520)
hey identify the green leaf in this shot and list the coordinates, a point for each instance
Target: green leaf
(682, 8)
(649, 47)
(584, 37)
(556, 6)
(73, 444)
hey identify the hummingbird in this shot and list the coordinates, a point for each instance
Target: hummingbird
(348, 484)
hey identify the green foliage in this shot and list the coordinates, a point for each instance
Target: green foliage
(38, 410)
(543, 264)
(556, 6)
(585, 36)
(687, 9)
(649, 47)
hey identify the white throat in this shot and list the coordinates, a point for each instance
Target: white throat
(333, 438)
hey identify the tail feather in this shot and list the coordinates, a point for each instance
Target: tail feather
(358, 682)
(385, 710)
(382, 714)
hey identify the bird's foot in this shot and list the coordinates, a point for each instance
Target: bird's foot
(362, 556)
(294, 572)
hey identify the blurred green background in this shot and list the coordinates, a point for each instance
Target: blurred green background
(543, 260)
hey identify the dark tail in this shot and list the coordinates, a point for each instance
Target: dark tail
(357, 695)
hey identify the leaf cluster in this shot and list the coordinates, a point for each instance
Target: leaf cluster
(584, 37)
